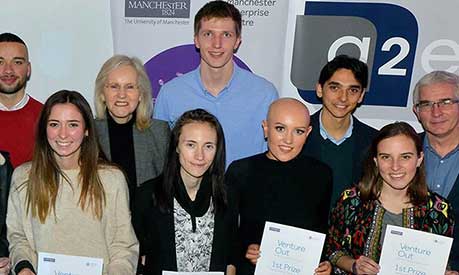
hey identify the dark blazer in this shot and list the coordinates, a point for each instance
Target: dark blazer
(150, 147)
(362, 133)
(6, 169)
(453, 198)
(156, 233)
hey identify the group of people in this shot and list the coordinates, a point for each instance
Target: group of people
(218, 156)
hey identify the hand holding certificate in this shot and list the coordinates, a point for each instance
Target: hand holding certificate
(289, 250)
(408, 251)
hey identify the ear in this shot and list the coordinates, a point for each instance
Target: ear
(29, 70)
(86, 133)
(376, 162)
(237, 44)
(416, 113)
(308, 131)
(420, 159)
(319, 90)
(361, 96)
(196, 41)
(264, 124)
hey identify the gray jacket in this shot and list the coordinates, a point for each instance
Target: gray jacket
(150, 147)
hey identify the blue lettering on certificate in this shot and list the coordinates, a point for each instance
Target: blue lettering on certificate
(284, 248)
(408, 252)
(286, 267)
(408, 270)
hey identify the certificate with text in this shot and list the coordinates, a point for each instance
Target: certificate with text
(50, 263)
(289, 250)
(409, 251)
(191, 273)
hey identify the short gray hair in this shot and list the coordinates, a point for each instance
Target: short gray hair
(434, 78)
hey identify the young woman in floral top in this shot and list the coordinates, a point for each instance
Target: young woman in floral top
(392, 191)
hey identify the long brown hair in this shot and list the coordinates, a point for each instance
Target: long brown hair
(45, 173)
(371, 184)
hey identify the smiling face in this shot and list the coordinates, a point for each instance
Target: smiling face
(14, 67)
(440, 121)
(397, 161)
(121, 93)
(217, 40)
(65, 132)
(286, 129)
(340, 94)
(196, 148)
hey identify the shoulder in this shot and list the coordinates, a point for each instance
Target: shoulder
(315, 117)
(146, 189)
(34, 106)
(256, 82)
(112, 177)
(34, 102)
(157, 124)
(437, 203)
(243, 165)
(350, 196)
(100, 124)
(20, 175)
(158, 131)
(177, 83)
(313, 164)
(364, 128)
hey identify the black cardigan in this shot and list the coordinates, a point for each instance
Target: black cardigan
(156, 234)
(6, 169)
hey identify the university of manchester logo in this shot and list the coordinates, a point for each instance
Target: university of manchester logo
(158, 8)
(382, 35)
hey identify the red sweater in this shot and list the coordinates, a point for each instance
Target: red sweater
(17, 131)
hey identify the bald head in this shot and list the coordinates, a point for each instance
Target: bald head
(286, 128)
(290, 106)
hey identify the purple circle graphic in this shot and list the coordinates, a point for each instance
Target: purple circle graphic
(174, 62)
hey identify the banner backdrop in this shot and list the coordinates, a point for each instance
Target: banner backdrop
(288, 42)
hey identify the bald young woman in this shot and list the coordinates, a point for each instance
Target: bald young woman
(280, 185)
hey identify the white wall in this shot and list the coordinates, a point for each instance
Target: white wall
(68, 41)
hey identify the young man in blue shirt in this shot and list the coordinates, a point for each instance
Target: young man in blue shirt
(238, 98)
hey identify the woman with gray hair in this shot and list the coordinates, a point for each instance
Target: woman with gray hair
(127, 134)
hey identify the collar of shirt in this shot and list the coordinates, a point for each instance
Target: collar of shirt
(325, 135)
(227, 86)
(17, 106)
(428, 149)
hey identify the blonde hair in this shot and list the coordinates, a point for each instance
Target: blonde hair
(145, 108)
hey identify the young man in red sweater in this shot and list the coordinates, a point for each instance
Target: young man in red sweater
(18, 111)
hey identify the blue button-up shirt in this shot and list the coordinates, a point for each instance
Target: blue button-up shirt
(441, 172)
(240, 107)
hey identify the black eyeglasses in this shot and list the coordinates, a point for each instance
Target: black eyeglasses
(443, 104)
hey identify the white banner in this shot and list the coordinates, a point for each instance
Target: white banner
(288, 42)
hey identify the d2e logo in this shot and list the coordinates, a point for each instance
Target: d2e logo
(382, 35)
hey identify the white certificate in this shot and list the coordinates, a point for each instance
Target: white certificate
(50, 263)
(191, 273)
(409, 251)
(289, 250)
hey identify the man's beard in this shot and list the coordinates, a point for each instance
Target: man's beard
(9, 90)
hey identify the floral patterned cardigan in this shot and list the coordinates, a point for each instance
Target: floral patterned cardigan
(355, 226)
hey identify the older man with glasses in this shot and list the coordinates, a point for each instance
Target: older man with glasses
(435, 103)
